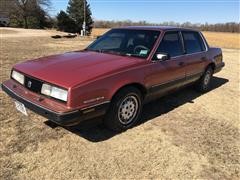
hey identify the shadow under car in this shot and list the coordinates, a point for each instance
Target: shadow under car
(94, 131)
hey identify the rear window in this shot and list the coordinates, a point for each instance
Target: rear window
(193, 42)
(171, 44)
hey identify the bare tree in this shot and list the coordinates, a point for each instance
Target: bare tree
(24, 9)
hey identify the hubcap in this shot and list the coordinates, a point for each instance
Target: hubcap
(128, 109)
(207, 78)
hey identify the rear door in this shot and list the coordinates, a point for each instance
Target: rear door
(195, 58)
(168, 74)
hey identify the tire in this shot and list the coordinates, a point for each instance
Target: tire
(204, 83)
(125, 110)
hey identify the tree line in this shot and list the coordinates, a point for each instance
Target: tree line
(232, 27)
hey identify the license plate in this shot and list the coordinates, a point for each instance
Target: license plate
(21, 108)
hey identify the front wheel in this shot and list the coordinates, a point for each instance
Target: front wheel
(125, 109)
(203, 85)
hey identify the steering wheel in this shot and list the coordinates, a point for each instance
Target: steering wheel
(138, 48)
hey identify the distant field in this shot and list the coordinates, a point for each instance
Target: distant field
(223, 40)
(7, 31)
(98, 31)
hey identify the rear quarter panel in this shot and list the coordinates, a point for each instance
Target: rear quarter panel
(215, 55)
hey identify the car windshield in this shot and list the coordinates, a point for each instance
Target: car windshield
(127, 42)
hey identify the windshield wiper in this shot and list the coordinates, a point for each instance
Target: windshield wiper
(94, 50)
(114, 52)
(100, 50)
(134, 55)
(111, 52)
(104, 51)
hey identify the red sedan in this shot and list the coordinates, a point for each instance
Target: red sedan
(114, 76)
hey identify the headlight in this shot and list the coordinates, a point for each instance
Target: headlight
(18, 77)
(55, 92)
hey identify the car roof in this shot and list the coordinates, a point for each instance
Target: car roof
(156, 28)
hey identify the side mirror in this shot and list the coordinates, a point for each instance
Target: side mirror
(162, 57)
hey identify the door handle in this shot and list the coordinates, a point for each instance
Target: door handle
(203, 58)
(181, 63)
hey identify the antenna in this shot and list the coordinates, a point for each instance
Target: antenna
(84, 21)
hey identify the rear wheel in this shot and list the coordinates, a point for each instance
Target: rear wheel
(204, 83)
(125, 109)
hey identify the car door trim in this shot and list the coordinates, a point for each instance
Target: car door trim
(174, 83)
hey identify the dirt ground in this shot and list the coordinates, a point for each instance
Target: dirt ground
(185, 135)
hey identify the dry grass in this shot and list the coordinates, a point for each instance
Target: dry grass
(224, 40)
(18, 32)
(99, 31)
(186, 135)
(7, 31)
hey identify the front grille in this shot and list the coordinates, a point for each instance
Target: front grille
(33, 84)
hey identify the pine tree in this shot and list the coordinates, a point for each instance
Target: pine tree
(75, 10)
(65, 23)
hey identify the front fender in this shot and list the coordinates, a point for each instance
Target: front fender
(103, 89)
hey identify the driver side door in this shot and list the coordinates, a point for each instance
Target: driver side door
(170, 73)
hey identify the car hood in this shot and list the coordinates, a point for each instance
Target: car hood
(73, 68)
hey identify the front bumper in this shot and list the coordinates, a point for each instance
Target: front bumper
(67, 118)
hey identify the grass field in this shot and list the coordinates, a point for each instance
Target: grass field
(186, 135)
(224, 40)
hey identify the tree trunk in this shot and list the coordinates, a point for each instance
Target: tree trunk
(25, 22)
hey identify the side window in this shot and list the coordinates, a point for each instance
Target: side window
(171, 44)
(193, 42)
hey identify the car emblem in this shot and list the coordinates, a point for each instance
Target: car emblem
(29, 84)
